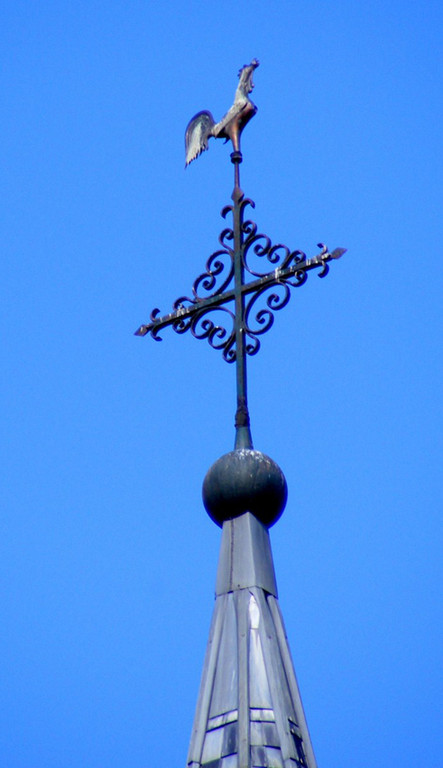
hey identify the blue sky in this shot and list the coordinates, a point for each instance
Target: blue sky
(109, 560)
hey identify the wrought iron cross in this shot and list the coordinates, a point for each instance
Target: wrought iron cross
(222, 287)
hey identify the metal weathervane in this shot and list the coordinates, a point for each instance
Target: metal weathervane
(223, 286)
(249, 712)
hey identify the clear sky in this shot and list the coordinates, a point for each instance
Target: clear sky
(108, 557)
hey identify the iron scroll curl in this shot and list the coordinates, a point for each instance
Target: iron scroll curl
(218, 263)
(263, 317)
(202, 327)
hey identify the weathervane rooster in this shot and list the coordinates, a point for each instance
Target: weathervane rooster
(202, 126)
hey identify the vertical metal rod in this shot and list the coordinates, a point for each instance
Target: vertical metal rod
(243, 438)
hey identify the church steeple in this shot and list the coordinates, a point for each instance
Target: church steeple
(249, 712)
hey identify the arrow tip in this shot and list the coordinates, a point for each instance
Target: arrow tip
(338, 252)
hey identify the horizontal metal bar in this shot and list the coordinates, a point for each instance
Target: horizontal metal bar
(212, 302)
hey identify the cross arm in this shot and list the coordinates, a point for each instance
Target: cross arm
(186, 309)
(182, 312)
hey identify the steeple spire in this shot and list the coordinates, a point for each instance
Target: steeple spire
(249, 712)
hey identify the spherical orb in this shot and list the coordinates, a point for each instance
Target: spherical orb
(245, 480)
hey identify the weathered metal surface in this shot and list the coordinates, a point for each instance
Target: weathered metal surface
(245, 480)
(245, 557)
(249, 710)
(202, 126)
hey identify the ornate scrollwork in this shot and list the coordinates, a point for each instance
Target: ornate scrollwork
(264, 317)
(202, 327)
(215, 287)
(278, 255)
(218, 262)
(191, 316)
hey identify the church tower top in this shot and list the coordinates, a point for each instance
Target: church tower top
(249, 712)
